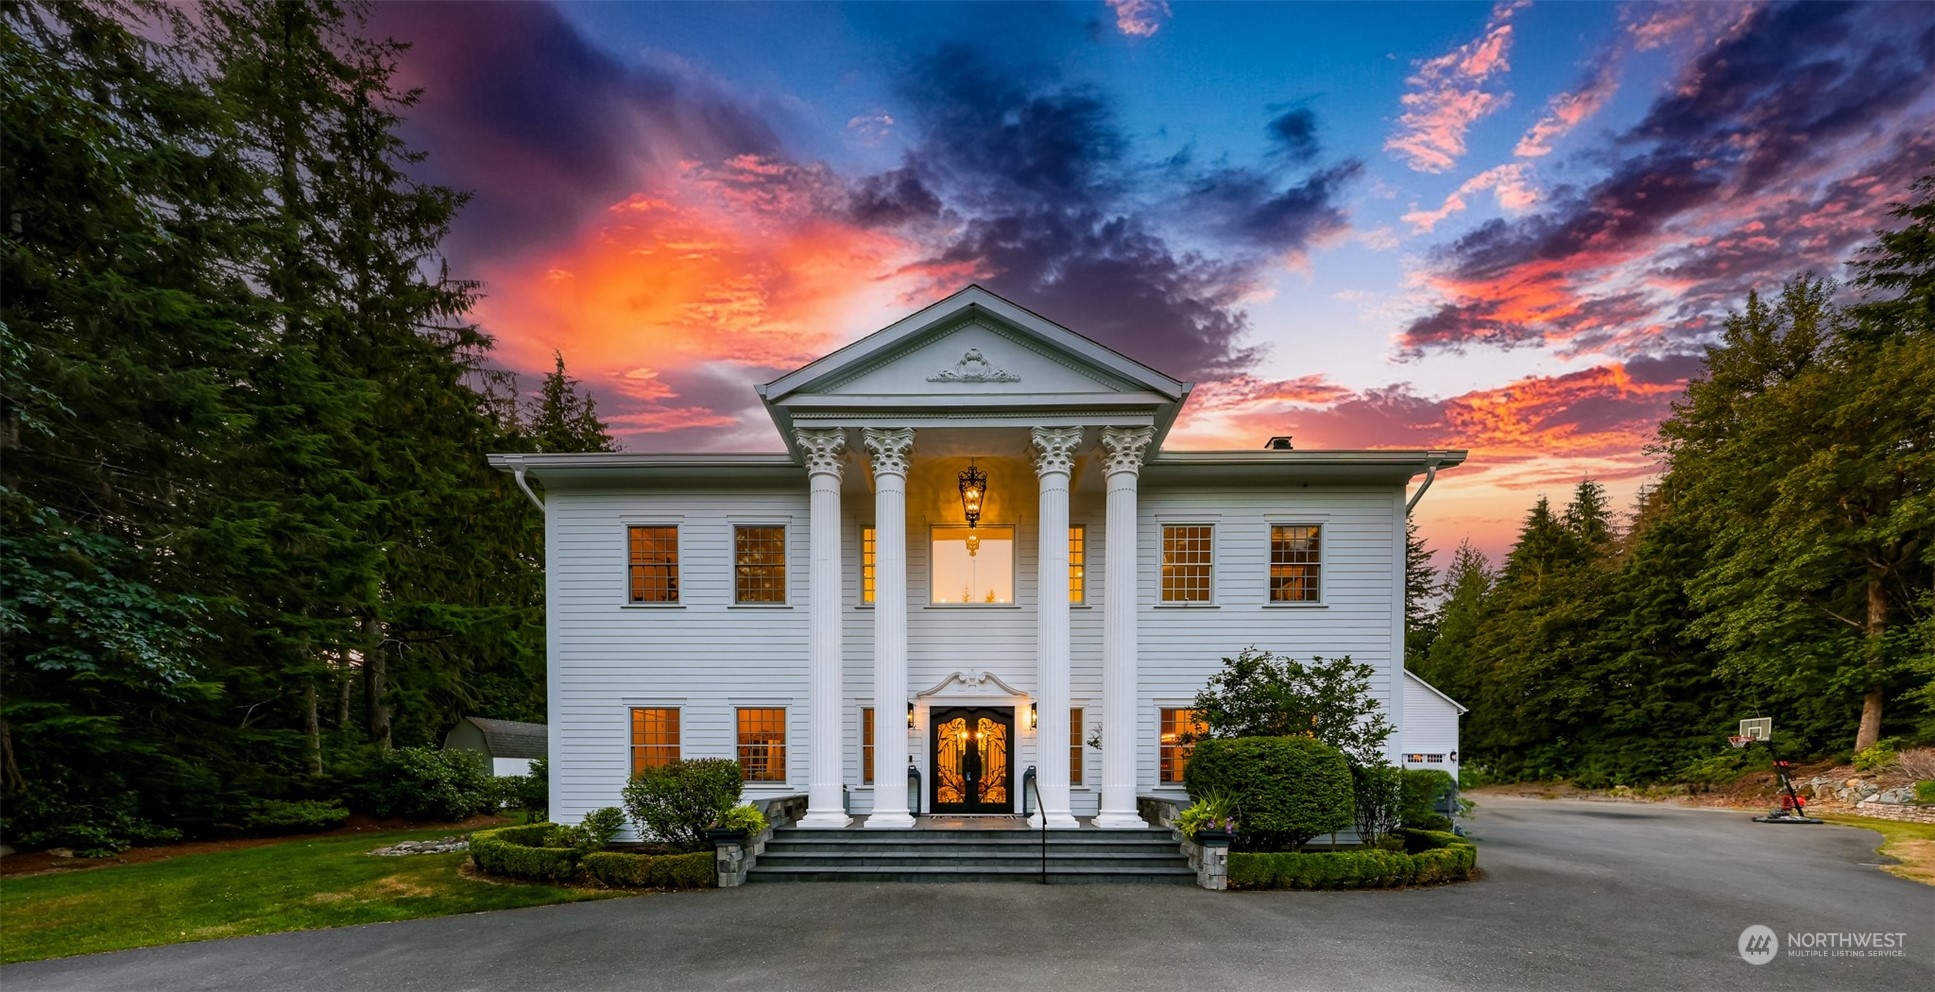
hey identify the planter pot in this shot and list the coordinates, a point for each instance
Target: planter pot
(720, 836)
(1214, 838)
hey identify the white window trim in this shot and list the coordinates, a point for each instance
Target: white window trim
(1322, 523)
(1014, 569)
(1214, 523)
(860, 601)
(1155, 756)
(733, 523)
(1088, 574)
(860, 708)
(625, 525)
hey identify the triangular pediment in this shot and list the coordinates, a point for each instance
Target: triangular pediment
(973, 344)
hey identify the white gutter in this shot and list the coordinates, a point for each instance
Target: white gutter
(1430, 475)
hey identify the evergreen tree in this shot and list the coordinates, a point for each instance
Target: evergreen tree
(1420, 579)
(1461, 612)
(566, 418)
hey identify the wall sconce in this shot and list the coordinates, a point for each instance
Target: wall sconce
(1034, 715)
(910, 714)
(974, 488)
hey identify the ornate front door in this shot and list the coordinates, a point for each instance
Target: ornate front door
(972, 773)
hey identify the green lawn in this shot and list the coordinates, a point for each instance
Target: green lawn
(1913, 844)
(300, 885)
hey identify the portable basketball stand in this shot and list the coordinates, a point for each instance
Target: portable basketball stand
(1760, 730)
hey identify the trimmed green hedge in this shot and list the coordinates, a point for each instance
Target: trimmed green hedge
(516, 852)
(651, 871)
(1282, 790)
(1444, 862)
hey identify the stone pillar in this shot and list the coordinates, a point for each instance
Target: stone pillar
(1054, 450)
(890, 451)
(822, 450)
(1120, 709)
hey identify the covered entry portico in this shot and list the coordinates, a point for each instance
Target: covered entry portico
(973, 381)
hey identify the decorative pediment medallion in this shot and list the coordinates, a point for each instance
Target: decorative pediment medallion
(974, 682)
(973, 368)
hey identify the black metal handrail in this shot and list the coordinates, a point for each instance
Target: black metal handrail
(1030, 781)
(913, 772)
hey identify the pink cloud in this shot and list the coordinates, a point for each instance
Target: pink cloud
(1448, 95)
(1139, 18)
(1510, 185)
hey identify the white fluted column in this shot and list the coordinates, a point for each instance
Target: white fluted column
(822, 450)
(890, 451)
(1054, 450)
(1123, 466)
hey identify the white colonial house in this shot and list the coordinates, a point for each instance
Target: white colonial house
(975, 556)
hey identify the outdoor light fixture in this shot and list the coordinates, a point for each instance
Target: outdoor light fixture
(910, 714)
(1034, 715)
(974, 487)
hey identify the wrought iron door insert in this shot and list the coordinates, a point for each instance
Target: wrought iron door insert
(972, 773)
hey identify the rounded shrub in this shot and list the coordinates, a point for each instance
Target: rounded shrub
(1423, 790)
(519, 853)
(1450, 860)
(1282, 790)
(677, 802)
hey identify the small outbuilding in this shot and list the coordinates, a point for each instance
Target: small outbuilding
(509, 744)
(1430, 732)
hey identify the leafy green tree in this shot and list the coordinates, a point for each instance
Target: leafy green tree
(1259, 694)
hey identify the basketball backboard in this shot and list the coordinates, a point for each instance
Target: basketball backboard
(1759, 728)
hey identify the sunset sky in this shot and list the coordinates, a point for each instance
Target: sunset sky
(1508, 228)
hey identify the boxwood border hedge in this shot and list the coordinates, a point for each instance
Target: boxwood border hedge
(1430, 857)
(518, 853)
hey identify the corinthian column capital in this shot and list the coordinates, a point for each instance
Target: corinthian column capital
(890, 449)
(1054, 448)
(822, 450)
(1125, 447)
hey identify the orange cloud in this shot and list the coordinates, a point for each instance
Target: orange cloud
(1510, 185)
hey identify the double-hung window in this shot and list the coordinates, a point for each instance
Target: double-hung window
(654, 564)
(762, 744)
(866, 745)
(1178, 730)
(759, 564)
(1078, 564)
(1188, 557)
(1075, 746)
(655, 737)
(1296, 563)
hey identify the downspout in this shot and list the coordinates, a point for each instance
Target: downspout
(1430, 475)
(518, 474)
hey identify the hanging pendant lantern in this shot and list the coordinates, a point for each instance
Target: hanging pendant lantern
(974, 489)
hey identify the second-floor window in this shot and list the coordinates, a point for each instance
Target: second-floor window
(654, 569)
(866, 565)
(1295, 563)
(1188, 554)
(759, 564)
(1078, 564)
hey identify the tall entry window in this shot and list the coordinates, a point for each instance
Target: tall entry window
(1177, 724)
(866, 745)
(1075, 746)
(972, 566)
(762, 744)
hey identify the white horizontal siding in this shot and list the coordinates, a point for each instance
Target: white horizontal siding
(1430, 726)
(707, 656)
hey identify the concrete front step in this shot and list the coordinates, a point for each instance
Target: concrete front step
(1183, 875)
(797, 854)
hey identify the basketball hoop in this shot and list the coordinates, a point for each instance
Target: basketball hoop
(1739, 741)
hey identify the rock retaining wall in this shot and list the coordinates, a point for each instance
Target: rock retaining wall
(1896, 811)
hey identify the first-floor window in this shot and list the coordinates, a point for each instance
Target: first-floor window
(655, 737)
(1075, 745)
(762, 744)
(1179, 729)
(866, 745)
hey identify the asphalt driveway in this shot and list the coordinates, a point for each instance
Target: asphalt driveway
(1576, 895)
